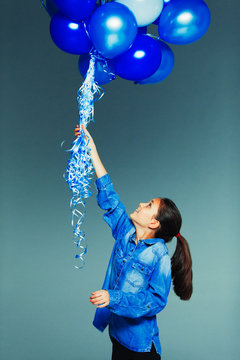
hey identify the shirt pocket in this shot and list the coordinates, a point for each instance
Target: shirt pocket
(138, 275)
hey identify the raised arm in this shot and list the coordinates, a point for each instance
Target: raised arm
(97, 163)
(108, 199)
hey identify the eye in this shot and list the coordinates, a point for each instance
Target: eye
(149, 204)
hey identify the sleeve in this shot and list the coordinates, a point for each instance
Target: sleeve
(116, 216)
(144, 302)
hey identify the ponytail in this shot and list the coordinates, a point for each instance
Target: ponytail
(181, 262)
(182, 275)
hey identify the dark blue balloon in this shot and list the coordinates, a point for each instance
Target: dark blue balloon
(140, 61)
(165, 67)
(75, 9)
(112, 29)
(51, 7)
(104, 71)
(89, 18)
(69, 36)
(156, 21)
(142, 29)
(184, 21)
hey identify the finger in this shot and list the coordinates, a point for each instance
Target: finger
(95, 296)
(97, 302)
(100, 306)
(97, 292)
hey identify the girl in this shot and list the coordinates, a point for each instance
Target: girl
(140, 271)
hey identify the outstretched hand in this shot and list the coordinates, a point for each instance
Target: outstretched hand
(87, 136)
(100, 297)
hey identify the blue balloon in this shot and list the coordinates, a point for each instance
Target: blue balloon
(184, 21)
(69, 36)
(165, 67)
(156, 22)
(142, 29)
(104, 71)
(51, 7)
(75, 9)
(112, 29)
(164, 4)
(140, 61)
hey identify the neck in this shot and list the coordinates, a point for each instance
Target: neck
(144, 233)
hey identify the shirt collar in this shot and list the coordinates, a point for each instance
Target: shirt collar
(147, 241)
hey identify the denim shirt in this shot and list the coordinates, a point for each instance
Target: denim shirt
(138, 278)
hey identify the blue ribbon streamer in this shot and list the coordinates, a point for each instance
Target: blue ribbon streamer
(80, 169)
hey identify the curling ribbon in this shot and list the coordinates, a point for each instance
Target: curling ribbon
(80, 168)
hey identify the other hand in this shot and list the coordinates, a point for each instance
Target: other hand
(100, 297)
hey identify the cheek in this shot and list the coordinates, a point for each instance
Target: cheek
(145, 217)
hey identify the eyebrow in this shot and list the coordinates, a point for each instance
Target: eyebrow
(152, 201)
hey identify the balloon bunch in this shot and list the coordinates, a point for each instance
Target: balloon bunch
(111, 40)
(118, 31)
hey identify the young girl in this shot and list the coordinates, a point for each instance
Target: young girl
(140, 270)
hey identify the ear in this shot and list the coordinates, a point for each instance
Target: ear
(155, 224)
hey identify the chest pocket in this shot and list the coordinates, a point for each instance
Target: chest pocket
(142, 268)
(138, 275)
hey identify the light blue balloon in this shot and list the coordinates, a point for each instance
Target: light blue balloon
(112, 29)
(145, 11)
(165, 67)
(183, 21)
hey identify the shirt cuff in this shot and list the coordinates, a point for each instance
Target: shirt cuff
(114, 298)
(103, 181)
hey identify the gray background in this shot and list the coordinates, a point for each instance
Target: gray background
(178, 139)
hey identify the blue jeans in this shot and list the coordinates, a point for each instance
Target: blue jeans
(120, 352)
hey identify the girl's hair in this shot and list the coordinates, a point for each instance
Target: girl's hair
(181, 261)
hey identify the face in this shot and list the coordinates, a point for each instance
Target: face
(145, 214)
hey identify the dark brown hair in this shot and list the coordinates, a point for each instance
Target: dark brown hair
(181, 261)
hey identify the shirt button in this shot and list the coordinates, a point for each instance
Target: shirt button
(124, 261)
(117, 274)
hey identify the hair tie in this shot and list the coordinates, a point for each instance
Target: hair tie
(178, 234)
